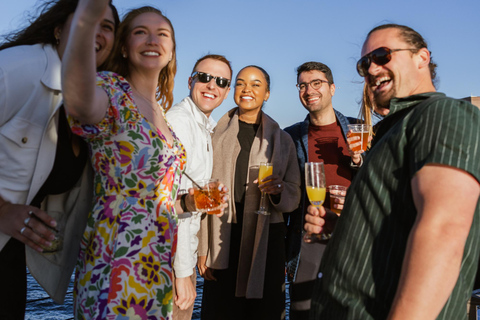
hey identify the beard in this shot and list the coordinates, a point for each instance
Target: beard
(382, 100)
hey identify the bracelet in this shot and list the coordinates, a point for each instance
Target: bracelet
(183, 205)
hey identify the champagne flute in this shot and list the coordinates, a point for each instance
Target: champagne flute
(265, 170)
(316, 190)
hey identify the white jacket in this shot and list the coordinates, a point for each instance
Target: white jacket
(30, 95)
(194, 129)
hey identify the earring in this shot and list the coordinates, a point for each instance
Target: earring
(57, 37)
(124, 55)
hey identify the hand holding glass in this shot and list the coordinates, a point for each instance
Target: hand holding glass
(265, 170)
(363, 132)
(316, 190)
(336, 192)
(208, 198)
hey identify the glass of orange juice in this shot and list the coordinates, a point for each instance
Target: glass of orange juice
(265, 170)
(316, 190)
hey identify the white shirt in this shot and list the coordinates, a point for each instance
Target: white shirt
(194, 129)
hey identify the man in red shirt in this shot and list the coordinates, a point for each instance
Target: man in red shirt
(322, 136)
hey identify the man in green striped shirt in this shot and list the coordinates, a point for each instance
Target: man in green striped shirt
(408, 241)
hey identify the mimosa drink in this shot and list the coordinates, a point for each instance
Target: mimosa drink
(316, 195)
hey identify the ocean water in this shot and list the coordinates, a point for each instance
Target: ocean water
(41, 307)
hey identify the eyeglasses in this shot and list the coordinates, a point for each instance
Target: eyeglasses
(315, 84)
(206, 78)
(380, 56)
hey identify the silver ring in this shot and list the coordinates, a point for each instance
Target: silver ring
(22, 230)
(30, 213)
(26, 221)
(279, 185)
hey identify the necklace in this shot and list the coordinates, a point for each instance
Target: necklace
(151, 103)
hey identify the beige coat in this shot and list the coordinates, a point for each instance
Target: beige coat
(271, 144)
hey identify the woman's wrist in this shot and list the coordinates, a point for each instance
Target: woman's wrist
(183, 205)
(187, 203)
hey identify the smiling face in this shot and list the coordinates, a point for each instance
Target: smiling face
(150, 43)
(104, 36)
(251, 90)
(401, 76)
(316, 100)
(208, 96)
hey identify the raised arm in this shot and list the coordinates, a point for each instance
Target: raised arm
(82, 98)
(445, 198)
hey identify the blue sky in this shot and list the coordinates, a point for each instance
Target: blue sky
(282, 34)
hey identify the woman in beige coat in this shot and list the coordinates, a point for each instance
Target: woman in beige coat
(242, 253)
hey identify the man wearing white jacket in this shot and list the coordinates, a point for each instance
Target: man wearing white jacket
(209, 86)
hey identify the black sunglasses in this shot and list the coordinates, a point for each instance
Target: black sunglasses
(380, 56)
(206, 78)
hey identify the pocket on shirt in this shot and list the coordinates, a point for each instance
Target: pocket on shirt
(19, 141)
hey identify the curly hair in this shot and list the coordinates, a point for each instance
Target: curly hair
(52, 14)
(118, 64)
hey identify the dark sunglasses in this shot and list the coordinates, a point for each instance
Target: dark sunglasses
(206, 78)
(380, 57)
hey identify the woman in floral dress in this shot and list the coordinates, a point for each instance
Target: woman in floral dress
(125, 265)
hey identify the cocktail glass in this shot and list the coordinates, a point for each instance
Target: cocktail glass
(207, 198)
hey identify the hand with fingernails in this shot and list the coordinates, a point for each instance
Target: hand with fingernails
(352, 143)
(27, 224)
(272, 184)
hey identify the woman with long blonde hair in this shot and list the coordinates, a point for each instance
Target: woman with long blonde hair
(125, 264)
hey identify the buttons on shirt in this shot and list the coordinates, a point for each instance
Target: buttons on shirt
(24, 140)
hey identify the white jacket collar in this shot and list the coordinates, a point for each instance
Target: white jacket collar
(205, 122)
(52, 76)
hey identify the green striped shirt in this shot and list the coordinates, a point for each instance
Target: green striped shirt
(362, 264)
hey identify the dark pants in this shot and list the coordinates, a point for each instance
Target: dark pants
(301, 290)
(13, 281)
(219, 301)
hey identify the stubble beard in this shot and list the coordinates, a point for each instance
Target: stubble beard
(382, 99)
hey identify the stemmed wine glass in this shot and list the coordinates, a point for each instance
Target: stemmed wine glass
(265, 170)
(316, 190)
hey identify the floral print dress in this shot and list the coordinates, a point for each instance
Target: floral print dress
(124, 269)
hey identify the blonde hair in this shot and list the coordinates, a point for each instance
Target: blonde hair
(119, 64)
(366, 109)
